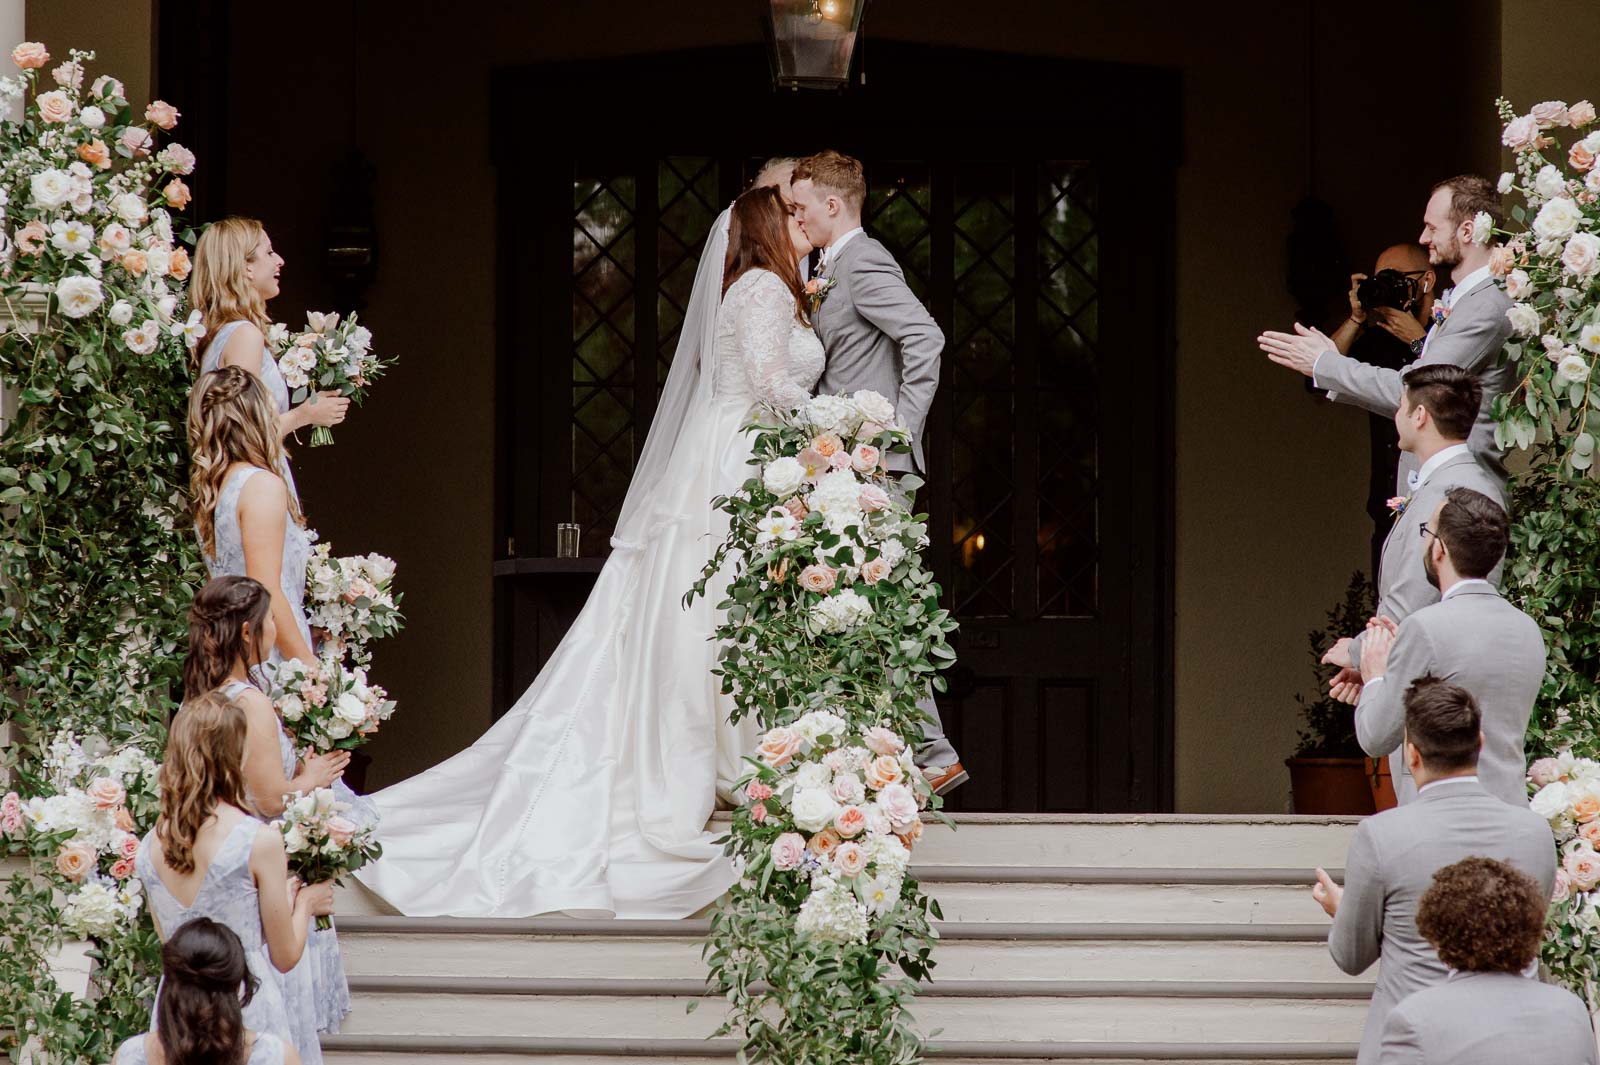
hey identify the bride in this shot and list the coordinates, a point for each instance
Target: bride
(592, 794)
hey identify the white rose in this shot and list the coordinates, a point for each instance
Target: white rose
(158, 260)
(380, 569)
(1550, 183)
(813, 809)
(143, 340)
(783, 476)
(1574, 368)
(79, 296)
(1506, 180)
(898, 804)
(1518, 285)
(130, 208)
(1548, 249)
(92, 117)
(295, 839)
(1591, 181)
(121, 313)
(166, 306)
(1557, 219)
(1550, 802)
(1482, 228)
(1582, 255)
(874, 407)
(1524, 319)
(350, 708)
(291, 708)
(337, 728)
(51, 188)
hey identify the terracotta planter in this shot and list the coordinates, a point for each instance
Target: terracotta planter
(1331, 785)
(1383, 797)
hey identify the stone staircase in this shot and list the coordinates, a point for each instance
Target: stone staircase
(1084, 938)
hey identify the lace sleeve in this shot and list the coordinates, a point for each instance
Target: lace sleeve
(762, 330)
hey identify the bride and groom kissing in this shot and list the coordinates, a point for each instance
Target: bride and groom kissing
(592, 795)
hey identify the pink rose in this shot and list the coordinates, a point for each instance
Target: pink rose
(875, 571)
(1583, 869)
(872, 498)
(797, 507)
(814, 462)
(122, 868)
(827, 445)
(115, 239)
(869, 431)
(865, 458)
(30, 55)
(68, 75)
(106, 87)
(340, 830)
(756, 791)
(817, 578)
(1585, 808)
(778, 746)
(106, 793)
(850, 822)
(1580, 114)
(787, 851)
(813, 286)
(1590, 832)
(138, 141)
(839, 460)
(1520, 133)
(850, 860)
(1518, 284)
(1580, 158)
(54, 106)
(1550, 113)
(881, 740)
(1501, 260)
(758, 812)
(883, 771)
(11, 819)
(1582, 255)
(75, 861)
(162, 114)
(846, 789)
(899, 805)
(1563, 888)
(1544, 771)
(177, 194)
(126, 845)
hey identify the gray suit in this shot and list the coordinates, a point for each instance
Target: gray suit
(1391, 863)
(1489, 1019)
(878, 336)
(1472, 337)
(1476, 639)
(1403, 586)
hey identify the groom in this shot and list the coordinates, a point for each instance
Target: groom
(877, 336)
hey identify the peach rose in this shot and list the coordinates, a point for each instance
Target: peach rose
(796, 506)
(813, 286)
(880, 740)
(136, 140)
(850, 859)
(124, 819)
(850, 822)
(107, 793)
(54, 106)
(1580, 114)
(1583, 869)
(756, 791)
(780, 572)
(341, 830)
(1580, 158)
(778, 746)
(865, 458)
(75, 861)
(30, 55)
(872, 498)
(30, 238)
(758, 812)
(824, 843)
(95, 153)
(817, 578)
(122, 868)
(875, 571)
(1586, 809)
(787, 851)
(883, 771)
(177, 193)
(1563, 888)
(135, 262)
(162, 114)
(179, 265)
(910, 836)
(1590, 832)
(1501, 261)
(827, 445)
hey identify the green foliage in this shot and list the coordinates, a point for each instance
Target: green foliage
(1330, 730)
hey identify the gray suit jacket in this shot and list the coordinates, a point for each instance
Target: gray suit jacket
(1391, 863)
(1476, 639)
(1472, 337)
(877, 336)
(1489, 1019)
(1403, 587)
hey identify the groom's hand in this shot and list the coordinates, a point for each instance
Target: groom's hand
(1375, 652)
(1339, 654)
(1298, 350)
(1345, 687)
(1326, 893)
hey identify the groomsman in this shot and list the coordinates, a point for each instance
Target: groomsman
(1394, 854)
(1436, 413)
(1471, 637)
(1487, 1012)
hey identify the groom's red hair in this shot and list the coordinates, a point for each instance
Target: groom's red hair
(836, 174)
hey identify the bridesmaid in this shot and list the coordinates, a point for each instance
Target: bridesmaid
(205, 978)
(230, 867)
(235, 274)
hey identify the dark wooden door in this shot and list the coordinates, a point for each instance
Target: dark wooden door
(1047, 265)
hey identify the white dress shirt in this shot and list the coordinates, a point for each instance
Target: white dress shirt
(1449, 297)
(1462, 583)
(1443, 455)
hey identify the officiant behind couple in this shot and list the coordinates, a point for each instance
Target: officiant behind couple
(592, 795)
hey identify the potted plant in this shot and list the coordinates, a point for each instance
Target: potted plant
(1330, 773)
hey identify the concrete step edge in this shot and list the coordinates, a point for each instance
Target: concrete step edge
(1164, 876)
(1189, 820)
(691, 988)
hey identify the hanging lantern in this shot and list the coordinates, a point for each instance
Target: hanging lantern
(813, 42)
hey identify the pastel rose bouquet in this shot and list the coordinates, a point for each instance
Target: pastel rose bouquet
(326, 706)
(330, 354)
(1566, 792)
(352, 599)
(322, 844)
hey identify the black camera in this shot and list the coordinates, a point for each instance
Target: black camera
(1387, 288)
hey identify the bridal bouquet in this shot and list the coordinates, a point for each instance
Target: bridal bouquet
(321, 843)
(329, 355)
(327, 707)
(1568, 796)
(352, 599)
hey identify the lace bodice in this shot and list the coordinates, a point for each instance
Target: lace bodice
(229, 558)
(267, 1050)
(763, 354)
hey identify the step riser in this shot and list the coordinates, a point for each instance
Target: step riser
(989, 1019)
(662, 958)
(431, 1056)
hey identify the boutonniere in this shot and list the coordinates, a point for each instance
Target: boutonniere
(1397, 505)
(1440, 313)
(817, 290)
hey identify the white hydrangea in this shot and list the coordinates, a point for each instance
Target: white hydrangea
(783, 476)
(100, 908)
(837, 495)
(831, 913)
(812, 775)
(831, 414)
(840, 612)
(893, 551)
(819, 723)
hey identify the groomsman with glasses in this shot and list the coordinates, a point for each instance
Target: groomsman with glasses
(1471, 637)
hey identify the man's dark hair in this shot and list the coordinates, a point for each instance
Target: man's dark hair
(1483, 916)
(1475, 531)
(1450, 394)
(1469, 194)
(1442, 722)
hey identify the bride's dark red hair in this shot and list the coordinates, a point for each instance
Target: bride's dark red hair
(758, 239)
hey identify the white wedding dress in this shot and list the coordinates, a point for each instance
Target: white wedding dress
(592, 794)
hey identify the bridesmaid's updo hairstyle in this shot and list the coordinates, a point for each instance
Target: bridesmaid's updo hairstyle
(205, 984)
(202, 769)
(219, 288)
(217, 642)
(231, 419)
(758, 239)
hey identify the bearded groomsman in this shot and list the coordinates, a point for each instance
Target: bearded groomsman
(1471, 637)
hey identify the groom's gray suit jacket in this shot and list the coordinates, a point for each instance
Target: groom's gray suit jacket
(1472, 337)
(878, 336)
